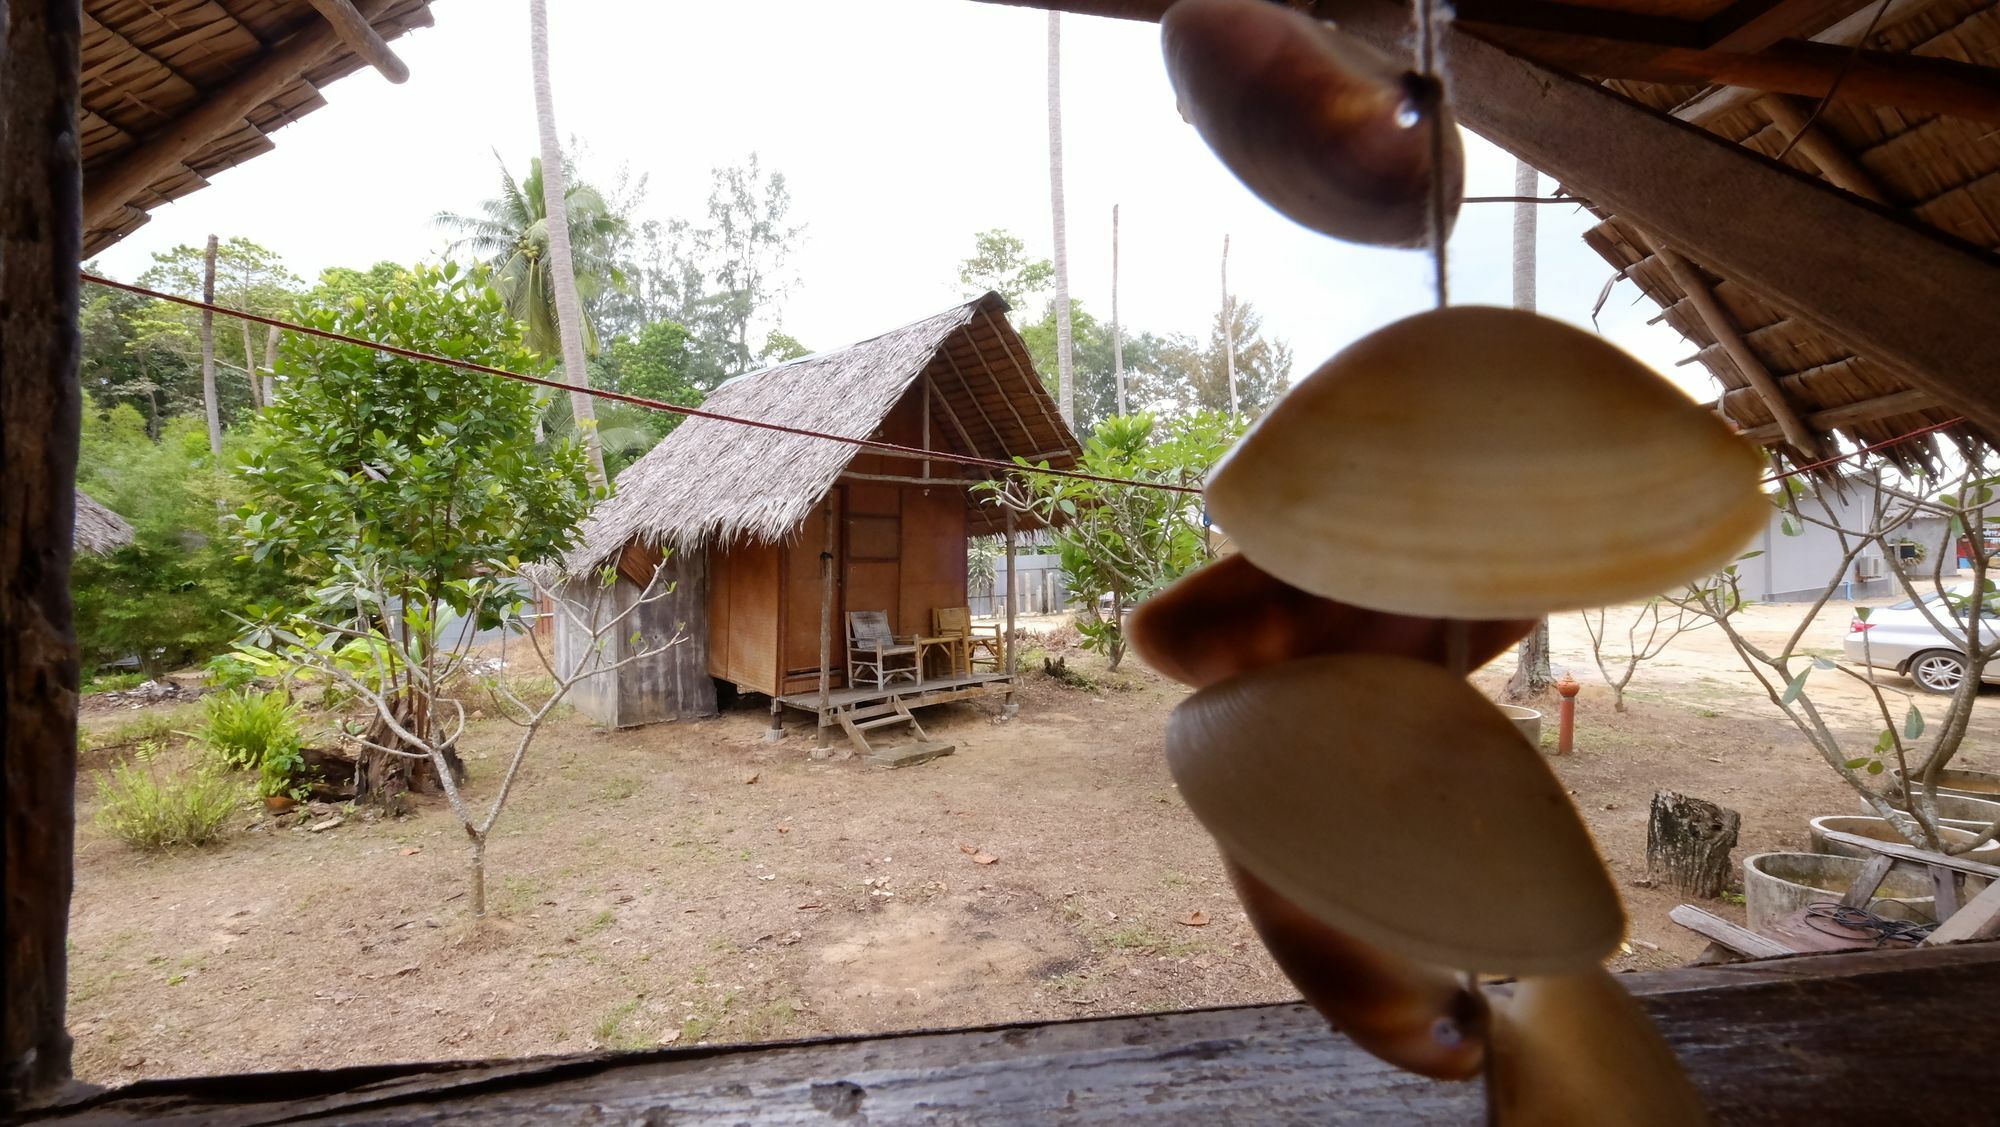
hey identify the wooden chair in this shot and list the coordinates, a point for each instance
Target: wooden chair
(875, 656)
(975, 644)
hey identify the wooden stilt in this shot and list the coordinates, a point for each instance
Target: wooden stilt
(826, 570)
(776, 731)
(1008, 642)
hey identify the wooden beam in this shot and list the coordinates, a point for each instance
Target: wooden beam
(1572, 19)
(1000, 440)
(1867, 410)
(41, 241)
(1036, 391)
(951, 417)
(1752, 25)
(361, 38)
(1112, 9)
(1733, 936)
(1027, 436)
(1915, 83)
(907, 479)
(1794, 121)
(219, 111)
(1802, 438)
(1978, 919)
(1846, 33)
(1897, 851)
(1889, 287)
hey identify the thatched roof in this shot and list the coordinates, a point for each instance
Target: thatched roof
(98, 529)
(712, 482)
(175, 91)
(1942, 169)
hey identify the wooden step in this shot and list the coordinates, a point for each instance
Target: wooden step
(910, 754)
(884, 721)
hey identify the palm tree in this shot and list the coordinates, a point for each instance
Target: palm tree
(1065, 369)
(511, 234)
(1532, 674)
(561, 267)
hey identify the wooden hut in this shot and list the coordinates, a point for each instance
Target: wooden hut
(742, 519)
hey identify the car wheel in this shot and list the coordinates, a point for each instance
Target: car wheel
(1939, 671)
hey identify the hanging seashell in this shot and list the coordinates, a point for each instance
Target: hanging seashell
(1322, 126)
(1577, 1051)
(1416, 1016)
(1230, 617)
(1486, 463)
(1387, 799)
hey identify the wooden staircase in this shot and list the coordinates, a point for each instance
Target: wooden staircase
(859, 720)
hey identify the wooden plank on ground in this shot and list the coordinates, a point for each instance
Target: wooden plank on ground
(1733, 936)
(1863, 889)
(1979, 919)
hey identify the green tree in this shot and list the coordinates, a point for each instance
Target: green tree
(248, 277)
(378, 473)
(1193, 376)
(511, 235)
(744, 249)
(168, 597)
(1000, 263)
(1118, 544)
(654, 363)
(1096, 373)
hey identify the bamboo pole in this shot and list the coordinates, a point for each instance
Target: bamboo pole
(1228, 334)
(1836, 163)
(362, 39)
(825, 623)
(1801, 437)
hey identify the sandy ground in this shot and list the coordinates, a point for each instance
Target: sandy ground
(688, 883)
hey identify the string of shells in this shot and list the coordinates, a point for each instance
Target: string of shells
(1403, 515)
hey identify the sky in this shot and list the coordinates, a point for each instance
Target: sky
(903, 127)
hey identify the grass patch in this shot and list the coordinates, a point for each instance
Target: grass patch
(186, 810)
(113, 682)
(618, 788)
(151, 724)
(610, 1030)
(1143, 939)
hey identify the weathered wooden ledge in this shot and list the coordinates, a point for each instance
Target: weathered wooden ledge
(1889, 1036)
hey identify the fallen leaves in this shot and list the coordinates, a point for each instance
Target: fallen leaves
(412, 851)
(978, 855)
(751, 778)
(1196, 918)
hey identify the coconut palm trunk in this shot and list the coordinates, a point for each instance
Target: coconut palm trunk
(562, 267)
(1532, 675)
(1117, 331)
(1065, 369)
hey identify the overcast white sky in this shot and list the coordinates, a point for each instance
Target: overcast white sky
(903, 126)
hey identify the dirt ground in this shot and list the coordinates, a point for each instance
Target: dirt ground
(691, 882)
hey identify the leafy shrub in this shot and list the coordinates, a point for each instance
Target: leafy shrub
(189, 809)
(283, 772)
(112, 682)
(246, 729)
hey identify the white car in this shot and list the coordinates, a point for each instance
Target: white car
(1898, 637)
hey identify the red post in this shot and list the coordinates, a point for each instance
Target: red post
(1566, 731)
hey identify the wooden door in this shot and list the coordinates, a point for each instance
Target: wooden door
(872, 553)
(805, 588)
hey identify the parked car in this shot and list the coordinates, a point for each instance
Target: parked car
(1900, 638)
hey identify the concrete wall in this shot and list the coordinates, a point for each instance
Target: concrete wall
(1799, 567)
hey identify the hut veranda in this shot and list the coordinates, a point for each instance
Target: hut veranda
(771, 539)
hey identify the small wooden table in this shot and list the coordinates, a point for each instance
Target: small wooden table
(954, 648)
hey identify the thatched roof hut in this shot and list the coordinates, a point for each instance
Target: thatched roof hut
(714, 483)
(741, 518)
(98, 529)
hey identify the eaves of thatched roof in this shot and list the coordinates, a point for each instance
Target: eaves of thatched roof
(98, 529)
(713, 482)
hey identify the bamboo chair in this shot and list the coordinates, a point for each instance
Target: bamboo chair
(975, 644)
(876, 656)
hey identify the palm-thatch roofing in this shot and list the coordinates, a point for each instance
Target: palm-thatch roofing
(712, 482)
(98, 529)
(175, 91)
(1940, 168)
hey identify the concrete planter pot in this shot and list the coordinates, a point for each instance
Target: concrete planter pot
(1958, 811)
(1527, 720)
(1964, 784)
(1881, 830)
(1777, 884)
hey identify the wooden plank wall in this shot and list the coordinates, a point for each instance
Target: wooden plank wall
(743, 612)
(674, 683)
(800, 607)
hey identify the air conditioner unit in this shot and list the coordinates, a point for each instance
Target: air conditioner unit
(1868, 567)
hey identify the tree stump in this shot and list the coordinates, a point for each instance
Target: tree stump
(1688, 842)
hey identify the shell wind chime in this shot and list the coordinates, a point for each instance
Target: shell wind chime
(1390, 833)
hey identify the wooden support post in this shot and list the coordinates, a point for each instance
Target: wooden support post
(927, 427)
(1836, 163)
(1747, 361)
(41, 241)
(1011, 669)
(219, 111)
(362, 39)
(776, 731)
(827, 569)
